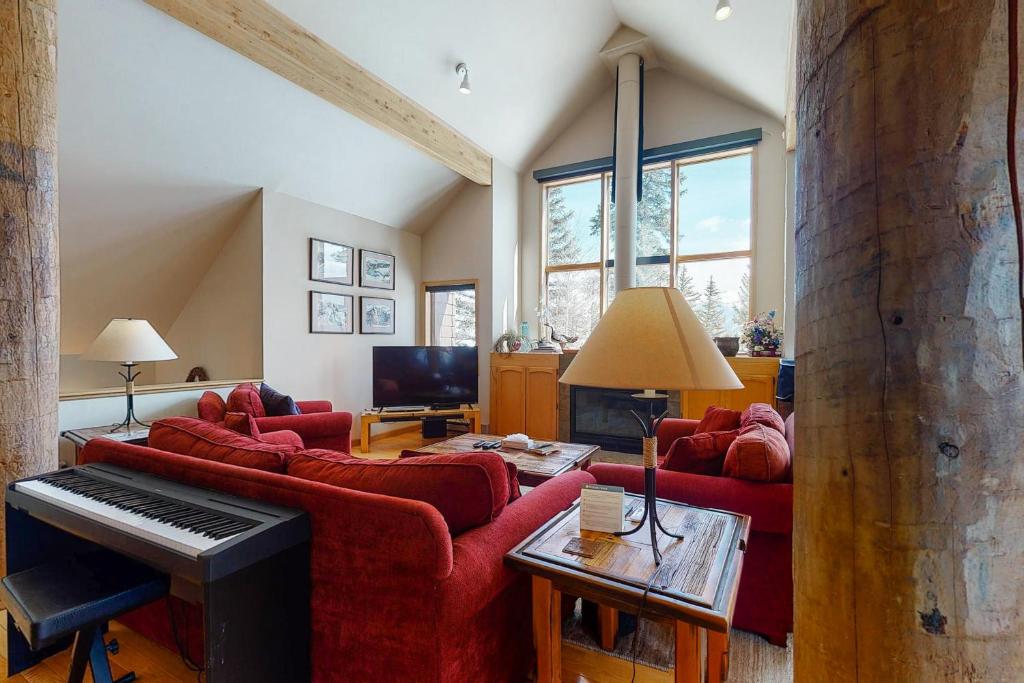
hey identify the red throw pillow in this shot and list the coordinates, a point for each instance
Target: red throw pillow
(243, 424)
(764, 414)
(283, 437)
(759, 453)
(211, 407)
(245, 398)
(718, 420)
(514, 492)
(469, 489)
(199, 439)
(700, 454)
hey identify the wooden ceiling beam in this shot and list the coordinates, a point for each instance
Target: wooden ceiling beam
(260, 32)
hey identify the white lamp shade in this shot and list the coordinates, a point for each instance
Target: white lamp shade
(126, 340)
(650, 339)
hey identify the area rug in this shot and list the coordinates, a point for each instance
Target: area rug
(753, 659)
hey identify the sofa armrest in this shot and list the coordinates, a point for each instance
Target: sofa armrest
(770, 506)
(308, 407)
(479, 570)
(672, 428)
(318, 430)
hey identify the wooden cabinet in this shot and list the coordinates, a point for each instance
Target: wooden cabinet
(524, 395)
(758, 376)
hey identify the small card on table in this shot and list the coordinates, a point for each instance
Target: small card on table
(602, 508)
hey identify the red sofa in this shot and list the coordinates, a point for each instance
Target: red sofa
(318, 425)
(395, 596)
(765, 601)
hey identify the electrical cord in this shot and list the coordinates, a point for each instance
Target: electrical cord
(182, 646)
(639, 617)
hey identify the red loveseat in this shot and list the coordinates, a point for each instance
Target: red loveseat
(318, 425)
(765, 601)
(394, 596)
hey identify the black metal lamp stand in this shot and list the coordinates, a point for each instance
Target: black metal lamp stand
(650, 424)
(129, 392)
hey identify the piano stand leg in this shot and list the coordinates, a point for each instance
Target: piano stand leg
(90, 649)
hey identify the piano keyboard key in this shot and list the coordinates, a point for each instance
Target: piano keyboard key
(186, 528)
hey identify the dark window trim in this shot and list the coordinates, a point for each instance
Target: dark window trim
(680, 150)
(465, 287)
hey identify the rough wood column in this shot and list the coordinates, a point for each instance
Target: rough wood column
(909, 478)
(29, 276)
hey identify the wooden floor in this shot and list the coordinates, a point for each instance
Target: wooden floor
(152, 662)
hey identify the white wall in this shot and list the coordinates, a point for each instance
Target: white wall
(92, 412)
(458, 246)
(327, 366)
(675, 111)
(476, 237)
(221, 325)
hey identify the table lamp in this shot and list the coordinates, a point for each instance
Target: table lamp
(128, 341)
(650, 338)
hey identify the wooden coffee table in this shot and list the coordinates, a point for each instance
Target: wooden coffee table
(533, 469)
(694, 588)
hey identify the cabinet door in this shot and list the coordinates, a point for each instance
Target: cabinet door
(756, 389)
(542, 403)
(508, 400)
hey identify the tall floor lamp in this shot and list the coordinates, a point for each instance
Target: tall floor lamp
(129, 341)
(650, 339)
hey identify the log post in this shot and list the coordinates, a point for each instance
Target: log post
(909, 480)
(29, 276)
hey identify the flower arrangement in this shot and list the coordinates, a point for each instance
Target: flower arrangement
(761, 336)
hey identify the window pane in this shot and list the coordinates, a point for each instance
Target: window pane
(718, 292)
(574, 223)
(453, 318)
(649, 275)
(654, 215)
(573, 302)
(714, 205)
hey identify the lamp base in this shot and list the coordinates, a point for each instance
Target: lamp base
(651, 500)
(129, 393)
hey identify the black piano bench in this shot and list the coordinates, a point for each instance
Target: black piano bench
(78, 595)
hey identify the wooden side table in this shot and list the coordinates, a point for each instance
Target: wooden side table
(372, 417)
(694, 588)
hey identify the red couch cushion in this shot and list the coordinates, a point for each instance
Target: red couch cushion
(199, 439)
(718, 420)
(284, 437)
(759, 453)
(468, 489)
(764, 414)
(242, 423)
(700, 454)
(514, 491)
(211, 407)
(245, 398)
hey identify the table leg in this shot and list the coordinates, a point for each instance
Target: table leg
(718, 656)
(608, 626)
(476, 423)
(687, 653)
(364, 437)
(547, 630)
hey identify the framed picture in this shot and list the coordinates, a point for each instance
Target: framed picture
(330, 313)
(376, 270)
(376, 315)
(330, 262)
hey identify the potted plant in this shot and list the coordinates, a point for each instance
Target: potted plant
(761, 335)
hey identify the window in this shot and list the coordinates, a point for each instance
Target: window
(450, 313)
(693, 230)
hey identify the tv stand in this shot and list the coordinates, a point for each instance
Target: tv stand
(371, 417)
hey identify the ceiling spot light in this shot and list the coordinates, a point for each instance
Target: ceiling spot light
(723, 11)
(463, 72)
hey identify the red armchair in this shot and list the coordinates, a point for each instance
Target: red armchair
(394, 596)
(318, 425)
(765, 601)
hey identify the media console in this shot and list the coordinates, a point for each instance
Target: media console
(428, 417)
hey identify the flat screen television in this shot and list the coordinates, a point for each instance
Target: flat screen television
(424, 375)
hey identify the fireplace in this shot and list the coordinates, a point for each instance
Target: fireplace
(602, 417)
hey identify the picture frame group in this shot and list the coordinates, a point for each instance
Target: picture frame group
(334, 312)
